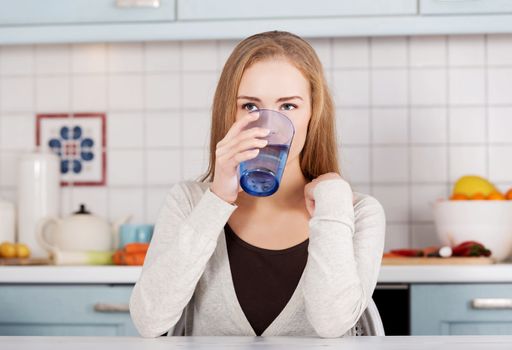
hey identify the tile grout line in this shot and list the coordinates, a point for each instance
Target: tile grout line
(70, 189)
(409, 139)
(448, 115)
(1, 124)
(354, 107)
(181, 78)
(371, 150)
(335, 69)
(145, 157)
(486, 109)
(107, 112)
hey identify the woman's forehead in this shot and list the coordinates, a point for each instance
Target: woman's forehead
(273, 78)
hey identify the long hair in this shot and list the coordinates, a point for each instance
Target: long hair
(320, 153)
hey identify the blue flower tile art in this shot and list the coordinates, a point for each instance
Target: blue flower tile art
(79, 140)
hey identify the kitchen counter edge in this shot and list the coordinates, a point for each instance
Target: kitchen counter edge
(498, 273)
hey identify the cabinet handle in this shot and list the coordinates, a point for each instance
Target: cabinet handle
(491, 303)
(137, 3)
(103, 307)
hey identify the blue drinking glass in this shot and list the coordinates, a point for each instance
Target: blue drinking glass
(262, 175)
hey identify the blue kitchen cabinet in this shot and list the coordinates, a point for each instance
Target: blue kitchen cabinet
(78, 310)
(78, 21)
(236, 9)
(461, 309)
(460, 7)
(60, 12)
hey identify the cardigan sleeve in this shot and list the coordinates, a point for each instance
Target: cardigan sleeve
(184, 239)
(346, 243)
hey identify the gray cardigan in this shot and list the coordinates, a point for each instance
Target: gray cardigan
(185, 287)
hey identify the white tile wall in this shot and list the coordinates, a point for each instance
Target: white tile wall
(427, 51)
(413, 114)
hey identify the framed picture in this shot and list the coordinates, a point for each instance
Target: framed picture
(79, 139)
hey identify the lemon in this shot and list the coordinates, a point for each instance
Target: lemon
(22, 250)
(470, 185)
(7, 250)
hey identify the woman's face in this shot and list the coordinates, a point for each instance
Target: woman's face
(276, 84)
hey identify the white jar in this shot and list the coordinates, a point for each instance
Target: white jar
(7, 221)
(38, 196)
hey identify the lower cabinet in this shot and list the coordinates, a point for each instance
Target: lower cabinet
(78, 310)
(102, 310)
(461, 309)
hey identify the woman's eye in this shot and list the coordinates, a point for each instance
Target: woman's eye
(288, 106)
(249, 106)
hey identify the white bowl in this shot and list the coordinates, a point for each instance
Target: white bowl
(486, 221)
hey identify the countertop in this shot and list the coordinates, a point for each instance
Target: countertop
(260, 343)
(498, 273)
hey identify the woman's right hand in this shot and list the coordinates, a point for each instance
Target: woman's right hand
(237, 146)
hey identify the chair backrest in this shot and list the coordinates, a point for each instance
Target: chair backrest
(370, 322)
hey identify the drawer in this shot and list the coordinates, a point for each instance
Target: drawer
(37, 12)
(65, 310)
(461, 309)
(457, 7)
(236, 9)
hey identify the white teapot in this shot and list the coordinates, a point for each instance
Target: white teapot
(81, 231)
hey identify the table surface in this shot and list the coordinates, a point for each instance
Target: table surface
(498, 273)
(260, 343)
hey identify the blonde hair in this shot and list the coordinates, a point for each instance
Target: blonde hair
(319, 154)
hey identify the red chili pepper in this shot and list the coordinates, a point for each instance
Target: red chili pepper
(408, 252)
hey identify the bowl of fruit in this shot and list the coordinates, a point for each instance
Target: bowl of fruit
(476, 211)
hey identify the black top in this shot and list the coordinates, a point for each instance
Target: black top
(264, 279)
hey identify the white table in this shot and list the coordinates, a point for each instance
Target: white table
(260, 343)
(498, 273)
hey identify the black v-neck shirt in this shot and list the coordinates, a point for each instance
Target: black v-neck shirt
(264, 279)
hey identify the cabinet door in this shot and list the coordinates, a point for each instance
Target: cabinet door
(38, 12)
(454, 7)
(461, 309)
(244, 9)
(78, 310)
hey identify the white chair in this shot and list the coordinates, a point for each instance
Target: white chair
(370, 323)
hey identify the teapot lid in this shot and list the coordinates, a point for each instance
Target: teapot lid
(82, 210)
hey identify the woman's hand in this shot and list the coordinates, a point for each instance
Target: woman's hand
(237, 146)
(310, 187)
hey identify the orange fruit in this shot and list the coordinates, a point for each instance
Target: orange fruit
(495, 195)
(458, 197)
(508, 195)
(478, 196)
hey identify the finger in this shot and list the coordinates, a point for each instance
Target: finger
(246, 145)
(240, 124)
(243, 156)
(310, 206)
(250, 134)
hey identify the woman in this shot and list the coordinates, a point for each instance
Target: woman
(303, 261)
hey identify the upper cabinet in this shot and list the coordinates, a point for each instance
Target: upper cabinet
(58, 12)
(66, 21)
(458, 7)
(266, 9)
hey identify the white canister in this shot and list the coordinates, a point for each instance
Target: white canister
(38, 196)
(7, 221)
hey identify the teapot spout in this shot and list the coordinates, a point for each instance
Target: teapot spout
(116, 226)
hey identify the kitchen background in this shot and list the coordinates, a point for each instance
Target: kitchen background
(413, 114)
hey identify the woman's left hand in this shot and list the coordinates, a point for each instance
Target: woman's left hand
(310, 187)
